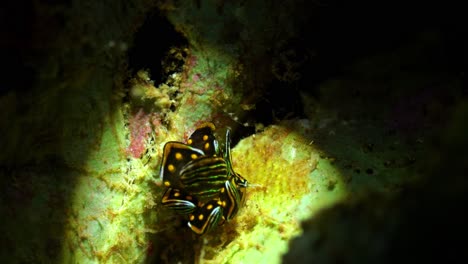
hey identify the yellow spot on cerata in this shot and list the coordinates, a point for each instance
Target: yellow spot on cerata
(209, 207)
(193, 156)
(200, 217)
(178, 156)
(190, 141)
(177, 194)
(192, 217)
(222, 190)
(220, 203)
(167, 184)
(188, 197)
(205, 137)
(171, 168)
(207, 145)
(224, 203)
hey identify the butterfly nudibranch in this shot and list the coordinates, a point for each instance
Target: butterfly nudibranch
(200, 180)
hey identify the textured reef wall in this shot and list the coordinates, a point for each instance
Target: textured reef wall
(340, 143)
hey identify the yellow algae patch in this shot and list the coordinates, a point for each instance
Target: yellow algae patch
(280, 165)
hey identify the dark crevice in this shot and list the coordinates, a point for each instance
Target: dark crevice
(151, 45)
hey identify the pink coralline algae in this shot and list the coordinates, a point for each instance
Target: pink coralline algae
(140, 129)
(191, 62)
(196, 77)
